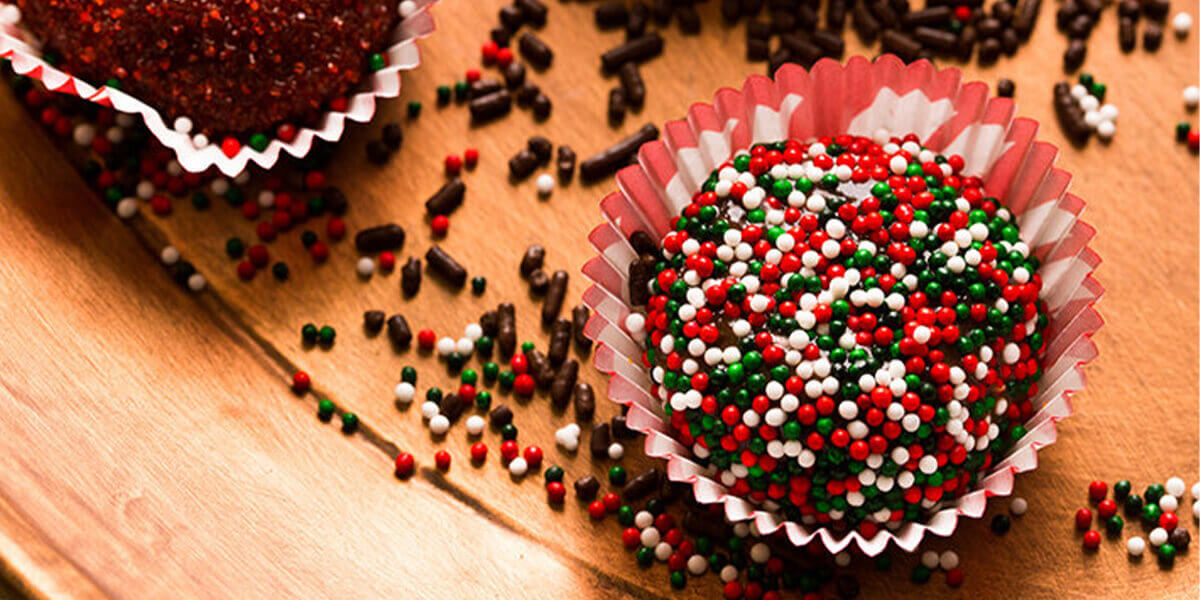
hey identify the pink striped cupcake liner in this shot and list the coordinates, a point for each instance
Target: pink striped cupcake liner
(868, 98)
(22, 50)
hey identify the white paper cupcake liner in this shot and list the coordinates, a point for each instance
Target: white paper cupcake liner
(860, 97)
(19, 47)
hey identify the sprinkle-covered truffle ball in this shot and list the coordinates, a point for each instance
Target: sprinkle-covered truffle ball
(848, 332)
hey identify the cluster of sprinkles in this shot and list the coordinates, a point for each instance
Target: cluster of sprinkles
(1156, 509)
(1081, 110)
(133, 174)
(846, 331)
(1184, 132)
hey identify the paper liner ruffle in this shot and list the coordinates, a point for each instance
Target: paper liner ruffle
(402, 55)
(860, 97)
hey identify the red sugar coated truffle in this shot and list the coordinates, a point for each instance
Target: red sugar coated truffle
(228, 65)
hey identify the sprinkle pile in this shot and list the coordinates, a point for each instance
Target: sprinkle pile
(847, 330)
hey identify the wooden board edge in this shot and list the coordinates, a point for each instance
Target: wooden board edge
(34, 568)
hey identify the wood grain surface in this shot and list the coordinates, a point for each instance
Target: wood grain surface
(152, 445)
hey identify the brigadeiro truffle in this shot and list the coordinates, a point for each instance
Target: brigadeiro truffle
(228, 66)
(851, 331)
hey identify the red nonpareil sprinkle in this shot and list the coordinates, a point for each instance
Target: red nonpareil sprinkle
(1106, 508)
(954, 577)
(258, 255)
(1097, 490)
(335, 228)
(251, 210)
(245, 270)
(1091, 539)
(533, 456)
(161, 205)
(1083, 518)
(440, 224)
(453, 164)
(286, 132)
(265, 231)
(556, 492)
(509, 450)
(504, 57)
(314, 180)
(524, 385)
(426, 339)
(442, 460)
(519, 364)
(479, 452)
(387, 261)
(319, 251)
(281, 220)
(1168, 520)
(611, 501)
(301, 382)
(488, 51)
(471, 157)
(732, 590)
(472, 75)
(597, 510)
(405, 465)
(230, 147)
(631, 537)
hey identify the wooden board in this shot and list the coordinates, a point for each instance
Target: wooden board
(195, 452)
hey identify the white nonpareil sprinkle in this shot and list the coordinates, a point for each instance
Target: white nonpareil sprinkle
(1158, 536)
(930, 559)
(475, 425)
(365, 267)
(1136, 546)
(439, 424)
(643, 519)
(1181, 23)
(1018, 506)
(9, 14)
(1168, 503)
(127, 208)
(197, 282)
(183, 125)
(1176, 487)
(948, 560)
(650, 536)
(616, 451)
(407, 8)
(445, 346)
(84, 134)
(545, 184)
(169, 255)
(518, 467)
(404, 393)
(1191, 97)
(429, 409)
